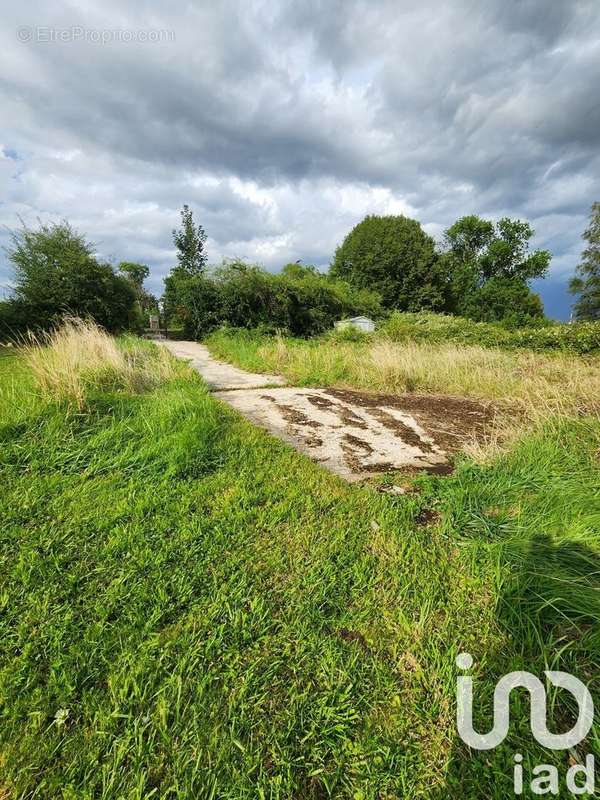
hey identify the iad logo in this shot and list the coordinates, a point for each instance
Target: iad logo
(547, 775)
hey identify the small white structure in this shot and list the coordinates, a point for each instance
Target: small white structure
(360, 323)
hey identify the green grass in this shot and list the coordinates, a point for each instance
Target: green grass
(189, 608)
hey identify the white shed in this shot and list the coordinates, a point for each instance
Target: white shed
(360, 323)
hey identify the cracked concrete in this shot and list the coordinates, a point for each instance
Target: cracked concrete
(343, 437)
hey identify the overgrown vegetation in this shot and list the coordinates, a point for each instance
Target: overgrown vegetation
(298, 300)
(57, 274)
(80, 357)
(481, 271)
(530, 387)
(586, 282)
(580, 338)
(192, 609)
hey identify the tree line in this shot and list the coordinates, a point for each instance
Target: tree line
(481, 270)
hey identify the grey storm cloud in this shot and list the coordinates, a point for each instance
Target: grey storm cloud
(283, 123)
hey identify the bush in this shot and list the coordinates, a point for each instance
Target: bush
(56, 274)
(506, 300)
(298, 301)
(577, 337)
(13, 317)
(581, 337)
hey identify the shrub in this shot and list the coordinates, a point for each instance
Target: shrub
(301, 301)
(13, 317)
(56, 274)
(581, 337)
(506, 300)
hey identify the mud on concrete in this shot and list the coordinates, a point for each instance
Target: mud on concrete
(452, 421)
(357, 435)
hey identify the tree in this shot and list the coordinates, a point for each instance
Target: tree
(135, 273)
(506, 300)
(189, 241)
(56, 273)
(395, 257)
(469, 237)
(586, 282)
(489, 267)
(179, 296)
(508, 256)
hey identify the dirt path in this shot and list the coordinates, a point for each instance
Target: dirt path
(353, 434)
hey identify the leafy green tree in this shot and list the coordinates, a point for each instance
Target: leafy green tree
(182, 283)
(508, 256)
(189, 241)
(56, 273)
(506, 300)
(586, 282)
(469, 238)
(489, 267)
(394, 256)
(136, 274)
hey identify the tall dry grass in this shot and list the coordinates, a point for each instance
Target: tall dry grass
(536, 384)
(80, 356)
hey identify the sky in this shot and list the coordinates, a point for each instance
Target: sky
(282, 124)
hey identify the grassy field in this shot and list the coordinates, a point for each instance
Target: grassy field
(189, 608)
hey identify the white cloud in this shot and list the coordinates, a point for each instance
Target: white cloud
(283, 124)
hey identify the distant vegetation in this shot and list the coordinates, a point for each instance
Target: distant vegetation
(394, 256)
(385, 263)
(480, 272)
(298, 300)
(57, 275)
(580, 337)
(586, 283)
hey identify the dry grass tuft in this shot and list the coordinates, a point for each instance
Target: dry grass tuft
(80, 356)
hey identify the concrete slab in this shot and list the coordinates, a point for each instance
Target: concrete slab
(353, 434)
(217, 374)
(347, 438)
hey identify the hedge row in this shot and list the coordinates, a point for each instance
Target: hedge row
(578, 337)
